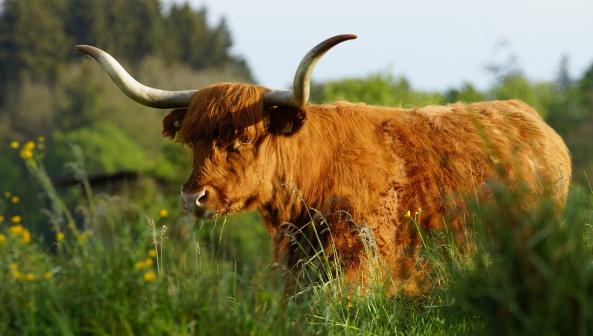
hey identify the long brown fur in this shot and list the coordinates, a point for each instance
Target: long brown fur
(346, 166)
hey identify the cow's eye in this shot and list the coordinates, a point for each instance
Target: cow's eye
(246, 140)
(222, 143)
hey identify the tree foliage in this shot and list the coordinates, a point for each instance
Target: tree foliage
(51, 90)
(36, 36)
(376, 89)
(112, 150)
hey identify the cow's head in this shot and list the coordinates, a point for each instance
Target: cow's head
(229, 131)
(232, 130)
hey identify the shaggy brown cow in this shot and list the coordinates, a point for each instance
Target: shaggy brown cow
(345, 167)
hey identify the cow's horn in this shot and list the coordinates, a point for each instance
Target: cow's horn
(139, 92)
(302, 79)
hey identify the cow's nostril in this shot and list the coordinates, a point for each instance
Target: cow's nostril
(201, 197)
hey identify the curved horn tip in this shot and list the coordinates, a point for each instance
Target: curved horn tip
(349, 36)
(343, 37)
(88, 50)
(329, 43)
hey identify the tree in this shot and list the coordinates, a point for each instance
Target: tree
(188, 32)
(563, 79)
(31, 39)
(467, 94)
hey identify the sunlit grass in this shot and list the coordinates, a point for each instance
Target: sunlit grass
(110, 267)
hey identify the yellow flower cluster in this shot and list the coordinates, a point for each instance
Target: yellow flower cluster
(416, 214)
(81, 237)
(27, 150)
(29, 276)
(28, 147)
(15, 199)
(149, 275)
(16, 219)
(19, 230)
(146, 263)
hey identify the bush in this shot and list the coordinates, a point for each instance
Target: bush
(108, 150)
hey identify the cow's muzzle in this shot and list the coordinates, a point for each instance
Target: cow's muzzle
(195, 203)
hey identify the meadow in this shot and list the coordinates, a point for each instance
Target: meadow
(101, 265)
(86, 259)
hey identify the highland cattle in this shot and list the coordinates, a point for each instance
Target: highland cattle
(336, 169)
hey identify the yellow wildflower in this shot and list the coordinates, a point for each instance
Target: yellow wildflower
(16, 219)
(30, 145)
(41, 138)
(143, 264)
(2, 238)
(164, 213)
(48, 275)
(418, 212)
(15, 199)
(149, 276)
(30, 277)
(16, 230)
(2, 218)
(408, 214)
(26, 236)
(83, 237)
(60, 236)
(7, 194)
(26, 154)
(13, 266)
(16, 274)
(14, 144)
(152, 253)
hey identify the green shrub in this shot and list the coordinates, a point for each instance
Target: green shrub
(108, 150)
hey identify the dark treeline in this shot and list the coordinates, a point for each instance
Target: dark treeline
(36, 36)
(50, 90)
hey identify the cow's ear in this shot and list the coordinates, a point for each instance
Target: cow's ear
(286, 120)
(172, 122)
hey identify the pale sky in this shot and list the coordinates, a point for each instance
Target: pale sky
(436, 44)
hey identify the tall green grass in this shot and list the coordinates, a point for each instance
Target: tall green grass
(104, 265)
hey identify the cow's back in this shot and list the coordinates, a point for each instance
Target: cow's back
(457, 150)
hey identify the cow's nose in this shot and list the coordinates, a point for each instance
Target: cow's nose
(191, 201)
(187, 201)
(201, 197)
